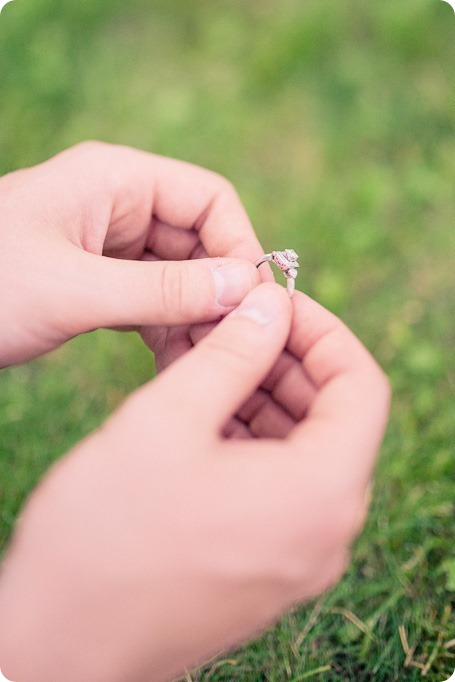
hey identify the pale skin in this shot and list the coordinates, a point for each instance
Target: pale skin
(219, 494)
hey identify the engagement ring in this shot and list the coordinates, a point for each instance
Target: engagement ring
(287, 262)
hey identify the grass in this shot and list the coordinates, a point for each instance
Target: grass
(335, 120)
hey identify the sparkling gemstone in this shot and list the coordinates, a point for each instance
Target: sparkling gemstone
(290, 254)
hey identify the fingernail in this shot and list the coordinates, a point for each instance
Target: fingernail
(262, 305)
(233, 282)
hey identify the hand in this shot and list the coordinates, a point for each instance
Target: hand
(76, 234)
(157, 542)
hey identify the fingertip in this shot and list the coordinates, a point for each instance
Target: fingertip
(234, 279)
(264, 304)
(262, 307)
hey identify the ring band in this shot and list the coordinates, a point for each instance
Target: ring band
(287, 262)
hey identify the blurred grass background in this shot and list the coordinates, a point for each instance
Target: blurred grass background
(335, 119)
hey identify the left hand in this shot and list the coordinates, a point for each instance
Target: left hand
(76, 234)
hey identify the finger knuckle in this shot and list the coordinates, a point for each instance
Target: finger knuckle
(235, 352)
(173, 287)
(224, 185)
(90, 147)
(92, 154)
(226, 193)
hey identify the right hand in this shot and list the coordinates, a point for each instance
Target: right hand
(157, 542)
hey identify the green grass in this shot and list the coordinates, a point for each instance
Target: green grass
(335, 119)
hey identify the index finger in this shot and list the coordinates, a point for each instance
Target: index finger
(209, 204)
(132, 187)
(348, 415)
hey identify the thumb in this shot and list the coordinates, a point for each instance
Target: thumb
(121, 293)
(216, 377)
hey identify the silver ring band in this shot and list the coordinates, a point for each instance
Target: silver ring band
(263, 259)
